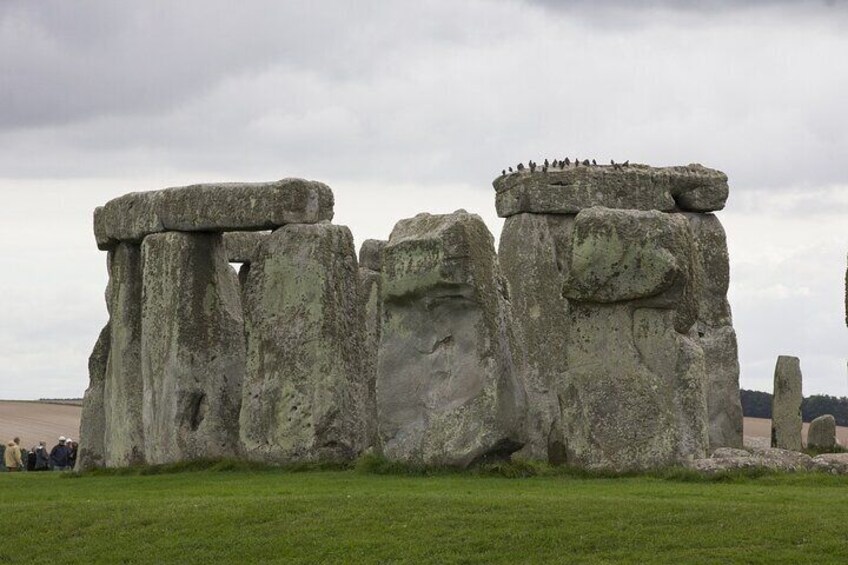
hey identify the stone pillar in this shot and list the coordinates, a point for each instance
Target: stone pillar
(528, 258)
(633, 395)
(714, 332)
(448, 392)
(822, 433)
(122, 389)
(92, 448)
(786, 404)
(303, 398)
(371, 304)
(193, 348)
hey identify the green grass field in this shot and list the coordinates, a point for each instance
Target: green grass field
(246, 516)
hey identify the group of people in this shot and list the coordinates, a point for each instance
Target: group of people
(62, 457)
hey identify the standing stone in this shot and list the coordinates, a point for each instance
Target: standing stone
(786, 404)
(193, 348)
(633, 395)
(92, 449)
(371, 305)
(528, 259)
(304, 397)
(822, 432)
(447, 388)
(122, 390)
(715, 334)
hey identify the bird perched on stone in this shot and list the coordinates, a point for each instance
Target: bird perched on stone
(510, 169)
(567, 162)
(586, 162)
(520, 166)
(594, 162)
(626, 163)
(612, 162)
(576, 162)
(503, 173)
(546, 163)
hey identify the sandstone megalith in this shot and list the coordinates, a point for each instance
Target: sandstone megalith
(92, 447)
(304, 395)
(193, 348)
(786, 404)
(371, 305)
(122, 389)
(220, 207)
(447, 388)
(822, 432)
(633, 391)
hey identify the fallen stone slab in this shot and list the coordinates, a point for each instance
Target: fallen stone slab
(568, 190)
(770, 459)
(834, 463)
(219, 207)
(447, 388)
(193, 348)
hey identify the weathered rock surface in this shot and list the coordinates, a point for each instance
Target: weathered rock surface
(193, 348)
(528, 258)
(638, 187)
(304, 396)
(714, 332)
(835, 463)
(771, 459)
(786, 404)
(122, 389)
(822, 432)
(447, 389)
(371, 254)
(633, 395)
(212, 207)
(92, 449)
(242, 246)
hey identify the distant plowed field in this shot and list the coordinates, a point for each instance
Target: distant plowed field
(38, 421)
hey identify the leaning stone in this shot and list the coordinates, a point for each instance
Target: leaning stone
(371, 254)
(786, 404)
(822, 432)
(304, 396)
(92, 449)
(122, 389)
(242, 246)
(217, 207)
(193, 349)
(637, 187)
(447, 392)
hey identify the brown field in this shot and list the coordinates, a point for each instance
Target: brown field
(38, 421)
(761, 428)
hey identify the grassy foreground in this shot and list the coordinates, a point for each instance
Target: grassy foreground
(247, 516)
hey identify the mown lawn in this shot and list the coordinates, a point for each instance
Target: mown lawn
(347, 516)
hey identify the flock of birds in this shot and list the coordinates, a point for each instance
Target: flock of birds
(532, 165)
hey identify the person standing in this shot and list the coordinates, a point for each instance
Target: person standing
(12, 456)
(59, 456)
(42, 459)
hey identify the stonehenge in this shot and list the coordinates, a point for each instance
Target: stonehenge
(786, 404)
(598, 334)
(822, 432)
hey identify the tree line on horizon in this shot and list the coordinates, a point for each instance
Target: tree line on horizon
(757, 404)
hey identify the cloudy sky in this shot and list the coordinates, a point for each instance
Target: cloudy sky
(416, 106)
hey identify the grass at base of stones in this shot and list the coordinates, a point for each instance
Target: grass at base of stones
(235, 512)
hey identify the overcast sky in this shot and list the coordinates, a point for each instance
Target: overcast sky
(403, 107)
